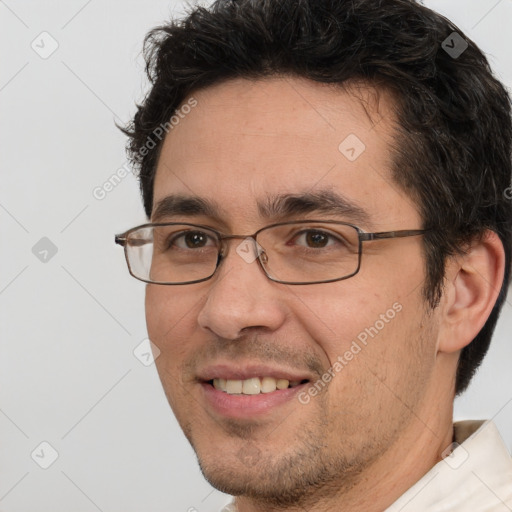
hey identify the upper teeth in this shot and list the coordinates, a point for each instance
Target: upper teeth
(252, 386)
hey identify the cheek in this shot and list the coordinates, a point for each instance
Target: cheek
(168, 313)
(170, 324)
(373, 305)
(372, 340)
(385, 377)
(341, 315)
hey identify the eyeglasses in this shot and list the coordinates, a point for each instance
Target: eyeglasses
(295, 252)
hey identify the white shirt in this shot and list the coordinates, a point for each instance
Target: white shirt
(476, 477)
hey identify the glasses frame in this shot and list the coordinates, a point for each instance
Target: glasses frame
(121, 239)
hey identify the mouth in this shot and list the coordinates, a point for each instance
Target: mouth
(250, 391)
(254, 385)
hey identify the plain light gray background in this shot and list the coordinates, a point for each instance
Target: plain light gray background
(70, 321)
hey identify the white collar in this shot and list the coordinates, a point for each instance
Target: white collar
(476, 476)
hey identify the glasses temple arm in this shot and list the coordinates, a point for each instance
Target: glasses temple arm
(134, 242)
(392, 234)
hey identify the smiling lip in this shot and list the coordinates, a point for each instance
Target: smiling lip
(240, 406)
(246, 406)
(238, 372)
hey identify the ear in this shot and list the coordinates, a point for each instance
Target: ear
(472, 284)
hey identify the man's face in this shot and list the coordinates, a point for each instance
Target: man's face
(242, 145)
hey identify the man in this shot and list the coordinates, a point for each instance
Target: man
(328, 251)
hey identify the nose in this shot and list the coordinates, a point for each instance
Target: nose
(241, 297)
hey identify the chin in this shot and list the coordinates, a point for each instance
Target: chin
(275, 477)
(258, 483)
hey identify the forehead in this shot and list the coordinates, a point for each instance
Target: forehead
(246, 142)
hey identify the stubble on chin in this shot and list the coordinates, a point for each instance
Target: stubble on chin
(297, 473)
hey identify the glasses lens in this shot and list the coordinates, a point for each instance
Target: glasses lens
(176, 253)
(310, 252)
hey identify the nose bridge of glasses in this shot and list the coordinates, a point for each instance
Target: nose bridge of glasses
(248, 244)
(235, 237)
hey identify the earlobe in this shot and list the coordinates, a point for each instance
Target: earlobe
(473, 283)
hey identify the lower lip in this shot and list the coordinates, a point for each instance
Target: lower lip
(244, 406)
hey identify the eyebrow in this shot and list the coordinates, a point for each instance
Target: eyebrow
(324, 202)
(188, 206)
(275, 207)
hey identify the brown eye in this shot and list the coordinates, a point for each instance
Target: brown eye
(195, 239)
(316, 239)
(191, 240)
